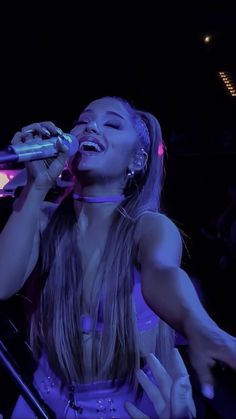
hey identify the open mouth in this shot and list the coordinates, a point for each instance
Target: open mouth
(89, 147)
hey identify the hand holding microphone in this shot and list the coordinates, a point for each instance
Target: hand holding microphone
(45, 149)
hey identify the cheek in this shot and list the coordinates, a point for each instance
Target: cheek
(118, 157)
(124, 149)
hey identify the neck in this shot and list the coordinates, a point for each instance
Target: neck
(99, 193)
(93, 202)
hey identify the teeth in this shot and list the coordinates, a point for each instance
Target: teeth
(91, 144)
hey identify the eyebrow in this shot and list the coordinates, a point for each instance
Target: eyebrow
(107, 112)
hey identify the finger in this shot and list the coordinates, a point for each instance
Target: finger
(208, 390)
(57, 165)
(161, 376)
(182, 404)
(54, 130)
(17, 138)
(134, 412)
(32, 129)
(203, 370)
(182, 382)
(152, 391)
(178, 366)
(45, 128)
(36, 130)
(61, 147)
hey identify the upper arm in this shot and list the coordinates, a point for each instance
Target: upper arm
(158, 241)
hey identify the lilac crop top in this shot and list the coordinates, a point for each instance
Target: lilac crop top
(146, 318)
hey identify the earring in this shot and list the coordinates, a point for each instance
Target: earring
(138, 161)
(130, 179)
(139, 158)
(130, 174)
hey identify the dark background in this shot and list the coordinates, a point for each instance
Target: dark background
(53, 62)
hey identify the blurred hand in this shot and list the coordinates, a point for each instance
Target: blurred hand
(172, 396)
(43, 173)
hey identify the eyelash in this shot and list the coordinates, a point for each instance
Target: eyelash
(107, 124)
(112, 126)
(80, 122)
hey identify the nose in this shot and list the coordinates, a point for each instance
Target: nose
(91, 126)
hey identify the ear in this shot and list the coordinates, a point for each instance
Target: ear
(139, 161)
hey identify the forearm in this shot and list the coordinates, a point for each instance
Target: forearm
(16, 240)
(172, 296)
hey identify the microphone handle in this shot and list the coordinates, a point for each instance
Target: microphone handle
(8, 157)
(23, 152)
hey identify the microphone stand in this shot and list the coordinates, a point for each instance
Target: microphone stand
(25, 386)
(27, 390)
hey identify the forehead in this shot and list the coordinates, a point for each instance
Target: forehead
(104, 105)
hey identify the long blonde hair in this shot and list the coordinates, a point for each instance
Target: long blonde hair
(55, 323)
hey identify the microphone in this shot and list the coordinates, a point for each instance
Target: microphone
(43, 149)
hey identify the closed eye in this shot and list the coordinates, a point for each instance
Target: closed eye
(109, 124)
(81, 122)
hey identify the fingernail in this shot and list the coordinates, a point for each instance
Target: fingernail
(46, 131)
(208, 391)
(184, 380)
(150, 357)
(59, 131)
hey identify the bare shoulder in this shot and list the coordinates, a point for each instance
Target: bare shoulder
(155, 222)
(158, 240)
